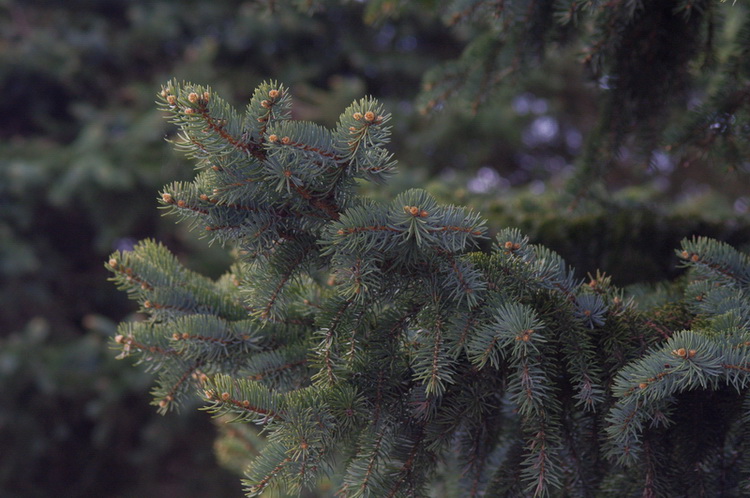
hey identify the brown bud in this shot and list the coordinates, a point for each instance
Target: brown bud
(274, 94)
(193, 97)
(171, 99)
(643, 385)
(166, 197)
(357, 116)
(273, 138)
(525, 335)
(286, 140)
(225, 396)
(370, 116)
(113, 263)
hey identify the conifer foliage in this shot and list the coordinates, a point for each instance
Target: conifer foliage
(378, 346)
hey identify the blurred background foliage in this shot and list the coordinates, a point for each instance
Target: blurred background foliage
(82, 156)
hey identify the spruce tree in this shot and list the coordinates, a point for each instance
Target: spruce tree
(398, 349)
(667, 77)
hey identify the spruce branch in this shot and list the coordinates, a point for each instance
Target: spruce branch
(370, 343)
